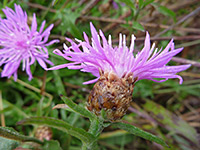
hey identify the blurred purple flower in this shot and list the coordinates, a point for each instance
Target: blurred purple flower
(149, 63)
(20, 43)
(115, 5)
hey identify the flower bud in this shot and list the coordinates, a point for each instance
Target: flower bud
(43, 132)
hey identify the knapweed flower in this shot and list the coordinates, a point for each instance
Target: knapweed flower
(117, 69)
(19, 43)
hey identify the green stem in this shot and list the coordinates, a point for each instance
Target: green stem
(96, 127)
(84, 147)
(137, 14)
(91, 146)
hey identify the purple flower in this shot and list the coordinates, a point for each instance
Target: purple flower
(149, 63)
(115, 5)
(19, 43)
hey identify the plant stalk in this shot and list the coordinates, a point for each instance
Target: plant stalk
(3, 124)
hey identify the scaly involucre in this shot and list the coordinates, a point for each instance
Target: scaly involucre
(19, 43)
(149, 63)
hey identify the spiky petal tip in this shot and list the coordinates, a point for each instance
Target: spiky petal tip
(149, 63)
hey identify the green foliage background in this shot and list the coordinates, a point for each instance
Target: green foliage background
(168, 110)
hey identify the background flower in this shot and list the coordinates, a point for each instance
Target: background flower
(149, 63)
(20, 43)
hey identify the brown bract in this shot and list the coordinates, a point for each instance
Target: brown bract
(112, 94)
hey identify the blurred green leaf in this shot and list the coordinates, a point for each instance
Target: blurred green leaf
(5, 2)
(7, 144)
(129, 3)
(138, 132)
(68, 19)
(63, 138)
(120, 140)
(10, 133)
(118, 137)
(165, 11)
(143, 3)
(18, 110)
(75, 31)
(180, 89)
(136, 25)
(58, 83)
(51, 145)
(61, 125)
(171, 122)
(144, 89)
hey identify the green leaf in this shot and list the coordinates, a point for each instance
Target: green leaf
(172, 122)
(8, 144)
(61, 125)
(136, 25)
(126, 26)
(68, 18)
(58, 83)
(51, 145)
(14, 107)
(78, 109)
(138, 132)
(11, 3)
(129, 3)
(10, 133)
(165, 11)
(118, 139)
(75, 31)
(143, 3)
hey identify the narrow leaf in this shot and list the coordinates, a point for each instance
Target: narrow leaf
(129, 3)
(136, 25)
(165, 11)
(78, 109)
(14, 107)
(58, 82)
(138, 132)
(143, 3)
(10, 133)
(61, 125)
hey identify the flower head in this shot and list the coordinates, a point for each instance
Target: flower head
(149, 63)
(117, 69)
(19, 43)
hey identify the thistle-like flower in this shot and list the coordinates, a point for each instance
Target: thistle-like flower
(19, 43)
(117, 69)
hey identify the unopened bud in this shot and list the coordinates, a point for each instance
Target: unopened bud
(43, 132)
